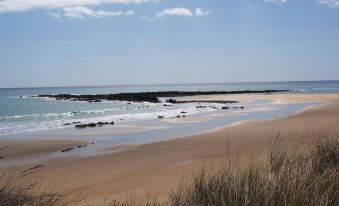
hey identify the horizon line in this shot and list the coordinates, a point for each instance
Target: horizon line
(166, 84)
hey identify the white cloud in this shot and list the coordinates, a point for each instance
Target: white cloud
(276, 1)
(174, 12)
(146, 18)
(26, 5)
(55, 15)
(329, 3)
(129, 13)
(80, 12)
(200, 12)
(181, 12)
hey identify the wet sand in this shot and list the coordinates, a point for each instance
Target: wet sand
(157, 167)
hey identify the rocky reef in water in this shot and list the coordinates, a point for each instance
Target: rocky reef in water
(148, 96)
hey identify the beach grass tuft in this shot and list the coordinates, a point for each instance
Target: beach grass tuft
(19, 188)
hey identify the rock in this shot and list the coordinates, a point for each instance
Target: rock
(81, 126)
(91, 125)
(183, 116)
(71, 123)
(168, 105)
(68, 149)
(148, 96)
(224, 108)
(93, 101)
(103, 123)
(201, 107)
(178, 116)
(161, 117)
(172, 101)
(183, 112)
(242, 107)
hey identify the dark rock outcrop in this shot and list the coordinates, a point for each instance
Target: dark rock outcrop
(71, 123)
(82, 126)
(148, 96)
(69, 149)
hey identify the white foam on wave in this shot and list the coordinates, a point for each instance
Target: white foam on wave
(75, 113)
(8, 128)
(324, 88)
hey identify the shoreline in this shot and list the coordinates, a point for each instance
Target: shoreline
(139, 169)
(67, 142)
(165, 130)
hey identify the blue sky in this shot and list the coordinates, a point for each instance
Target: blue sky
(112, 42)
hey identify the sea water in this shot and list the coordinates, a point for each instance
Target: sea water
(21, 113)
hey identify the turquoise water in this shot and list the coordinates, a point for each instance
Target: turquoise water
(20, 113)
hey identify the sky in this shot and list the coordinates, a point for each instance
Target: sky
(119, 42)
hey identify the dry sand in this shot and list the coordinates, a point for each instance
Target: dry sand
(157, 167)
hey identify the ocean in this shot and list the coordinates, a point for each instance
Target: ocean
(20, 113)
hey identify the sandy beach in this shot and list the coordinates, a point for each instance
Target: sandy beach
(157, 167)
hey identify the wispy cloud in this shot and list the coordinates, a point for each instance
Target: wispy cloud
(174, 12)
(249, 7)
(200, 12)
(329, 3)
(181, 12)
(80, 12)
(276, 1)
(55, 15)
(146, 18)
(27, 5)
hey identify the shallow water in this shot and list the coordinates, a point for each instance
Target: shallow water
(147, 131)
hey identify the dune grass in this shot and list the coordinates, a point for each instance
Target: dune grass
(21, 189)
(307, 175)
